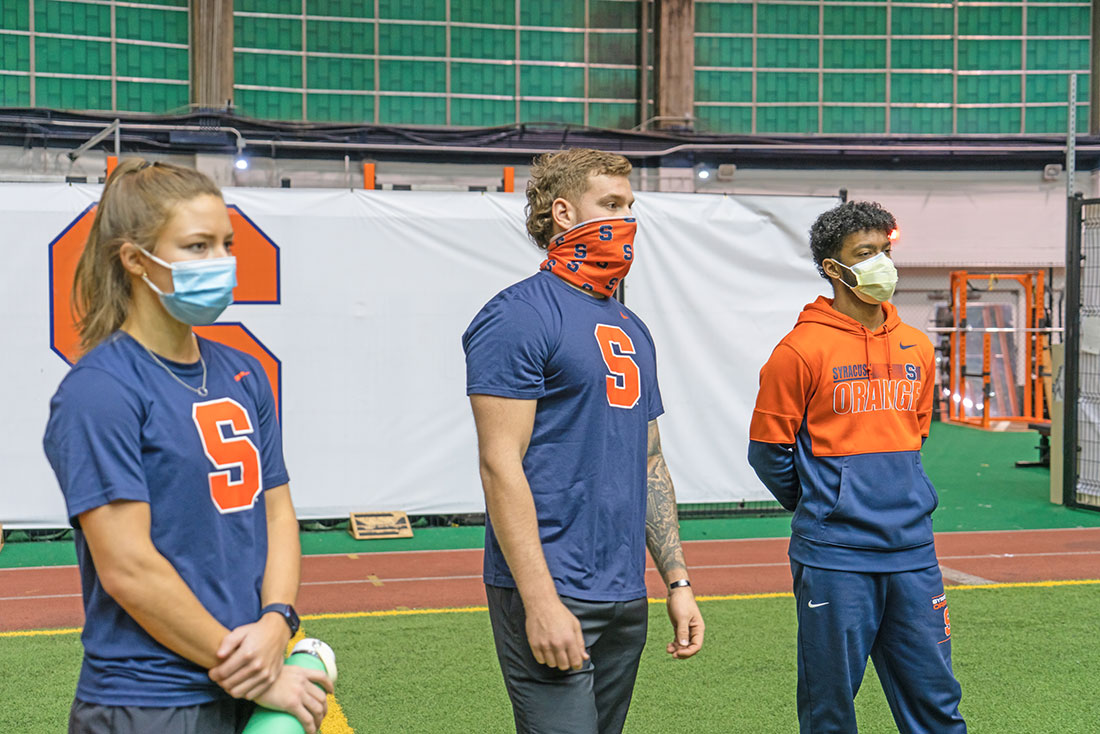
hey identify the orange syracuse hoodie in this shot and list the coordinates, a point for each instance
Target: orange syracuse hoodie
(836, 435)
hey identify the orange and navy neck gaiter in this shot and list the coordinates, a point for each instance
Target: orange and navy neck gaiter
(594, 255)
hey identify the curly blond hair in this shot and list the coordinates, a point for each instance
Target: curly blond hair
(564, 175)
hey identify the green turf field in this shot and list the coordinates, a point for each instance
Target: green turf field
(1026, 658)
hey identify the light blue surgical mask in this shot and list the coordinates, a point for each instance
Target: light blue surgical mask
(201, 289)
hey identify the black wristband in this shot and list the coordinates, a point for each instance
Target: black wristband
(678, 584)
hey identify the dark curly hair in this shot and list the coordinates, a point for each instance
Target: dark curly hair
(828, 232)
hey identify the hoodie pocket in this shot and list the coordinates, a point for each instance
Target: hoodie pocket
(885, 502)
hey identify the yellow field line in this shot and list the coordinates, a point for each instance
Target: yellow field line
(464, 610)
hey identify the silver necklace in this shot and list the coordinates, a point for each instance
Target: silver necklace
(201, 391)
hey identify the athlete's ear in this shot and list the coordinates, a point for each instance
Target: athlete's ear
(132, 259)
(563, 213)
(831, 268)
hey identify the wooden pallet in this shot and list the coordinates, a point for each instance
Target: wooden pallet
(371, 525)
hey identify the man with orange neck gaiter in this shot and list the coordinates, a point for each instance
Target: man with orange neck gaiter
(562, 379)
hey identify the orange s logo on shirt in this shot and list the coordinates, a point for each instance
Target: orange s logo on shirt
(235, 452)
(624, 384)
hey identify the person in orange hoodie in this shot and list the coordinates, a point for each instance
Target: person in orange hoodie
(845, 404)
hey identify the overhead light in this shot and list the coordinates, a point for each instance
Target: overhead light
(703, 174)
(241, 164)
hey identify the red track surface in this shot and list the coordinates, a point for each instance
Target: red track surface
(41, 598)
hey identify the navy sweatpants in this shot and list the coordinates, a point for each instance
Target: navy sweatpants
(900, 620)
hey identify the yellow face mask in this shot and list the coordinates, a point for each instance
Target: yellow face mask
(876, 278)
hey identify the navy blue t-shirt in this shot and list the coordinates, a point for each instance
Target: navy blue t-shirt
(591, 366)
(121, 428)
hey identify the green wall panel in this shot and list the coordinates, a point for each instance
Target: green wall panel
(279, 34)
(551, 46)
(854, 54)
(612, 84)
(990, 89)
(54, 16)
(565, 112)
(989, 55)
(342, 37)
(613, 14)
(724, 119)
(786, 87)
(151, 97)
(483, 43)
(723, 18)
(989, 120)
(267, 70)
(15, 16)
(144, 24)
(266, 105)
(620, 116)
(1063, 54)
(15, 53)
(551, 81)
(413, 9)
(786, 119)
(283, 7)
(15, 91)
(483, 79)
(72, 94)
(412, 111)
(922, 54)
(333, 73)
(1053, 120)
(784, 52)
(395, 39)
(72, 56)
(412, 76)
(156, 62)
(854, 20)
(342, 8)
(729, 52)
(853, 120)
(501, 12)
(482, 112)
(1057, 21)
(921, 88)
(854, 88)
(612, 48)
(1055, 87)
(340, 107)
(723, 86)
(990, 21)
(558, 13)
(915, 21)
(920, 120)
(787, 19)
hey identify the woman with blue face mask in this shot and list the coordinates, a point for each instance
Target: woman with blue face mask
(168, 451)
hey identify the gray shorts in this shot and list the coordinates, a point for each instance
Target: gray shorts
(227, 716)
(592, 700)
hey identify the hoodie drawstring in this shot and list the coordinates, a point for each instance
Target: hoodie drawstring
(889, 354)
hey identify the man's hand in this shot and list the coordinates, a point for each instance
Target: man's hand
(555, 635)
(295, 693)
(252, 657)
(687, 623)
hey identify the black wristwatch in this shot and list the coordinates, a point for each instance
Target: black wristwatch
(287, 613)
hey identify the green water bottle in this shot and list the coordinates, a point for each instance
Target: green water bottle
(309, 653)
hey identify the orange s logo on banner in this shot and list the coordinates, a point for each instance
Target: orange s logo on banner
(235, 452)
(258, 281)
(624, 384)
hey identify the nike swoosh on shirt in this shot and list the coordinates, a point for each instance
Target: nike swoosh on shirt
(241, 375)
(908, 346)
(623, 315)
(815, 606)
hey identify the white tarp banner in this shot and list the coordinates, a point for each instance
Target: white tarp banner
(375, 290)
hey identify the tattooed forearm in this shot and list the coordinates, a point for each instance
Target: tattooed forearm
(661, 521)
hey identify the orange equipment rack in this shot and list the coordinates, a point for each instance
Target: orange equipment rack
(1034, 333)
